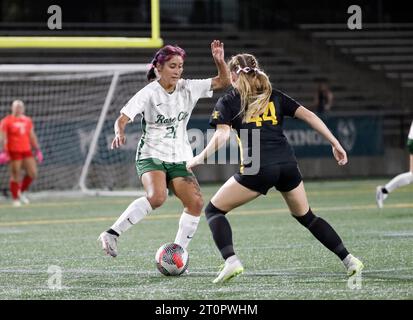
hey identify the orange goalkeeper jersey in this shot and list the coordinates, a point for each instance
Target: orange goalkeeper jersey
(17, 131)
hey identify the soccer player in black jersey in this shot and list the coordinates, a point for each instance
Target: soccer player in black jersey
(255, 107)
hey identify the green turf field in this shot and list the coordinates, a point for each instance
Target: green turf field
(282, 260)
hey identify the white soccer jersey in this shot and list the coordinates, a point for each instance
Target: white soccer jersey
(411, 132)
(165, 117)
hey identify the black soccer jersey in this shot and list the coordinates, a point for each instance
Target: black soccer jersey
(267, 129)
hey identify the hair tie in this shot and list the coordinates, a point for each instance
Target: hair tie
(258, 71)
(245, 70)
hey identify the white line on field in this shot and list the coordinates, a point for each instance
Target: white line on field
(176, 216)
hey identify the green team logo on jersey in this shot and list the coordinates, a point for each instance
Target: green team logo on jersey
(172, 122)
(161, 119)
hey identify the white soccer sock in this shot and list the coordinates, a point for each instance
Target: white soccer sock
(136, 211)
(399, 181)
(347, 259)
(187, 227)
(232, 259)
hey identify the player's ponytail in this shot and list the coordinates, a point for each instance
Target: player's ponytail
(162, 55)
(151, 74)
(252, 84)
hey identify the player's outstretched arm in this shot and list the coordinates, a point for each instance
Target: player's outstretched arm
(317, 124)
(120, 138)
(4, 156)
(3, 136)
(219, 138)
(2, 140)
(33, 140)
(222, 80)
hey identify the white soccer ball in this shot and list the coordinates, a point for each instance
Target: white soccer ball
(171, 259)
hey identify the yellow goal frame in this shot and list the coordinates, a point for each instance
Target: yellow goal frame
(91, 42)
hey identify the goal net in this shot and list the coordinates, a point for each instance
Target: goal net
(73, 108)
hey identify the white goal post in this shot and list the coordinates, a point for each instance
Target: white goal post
(73, 107)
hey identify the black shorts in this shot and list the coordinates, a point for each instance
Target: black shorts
(284, 177)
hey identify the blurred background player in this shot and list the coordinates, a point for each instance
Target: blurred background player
(18, 138)
(165, 105)
(401, 180)
(323, 98)
(253, 105)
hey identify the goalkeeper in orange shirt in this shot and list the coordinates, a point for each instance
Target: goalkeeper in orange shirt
(17, 137)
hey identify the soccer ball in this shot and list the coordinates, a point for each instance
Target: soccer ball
(171, 259)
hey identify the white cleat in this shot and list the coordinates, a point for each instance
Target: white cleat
(23, 198)
(380, 196)
(16, 203)
(109, 243)
(229, 271)
(353, 265)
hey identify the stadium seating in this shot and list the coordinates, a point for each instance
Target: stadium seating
(291, 69)
(383, 47)
(294, 63)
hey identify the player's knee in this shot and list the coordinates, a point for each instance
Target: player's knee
(32, 174)
(156, 199)
(15, 174)
(307, 220)
(196, 205)
(211, 211)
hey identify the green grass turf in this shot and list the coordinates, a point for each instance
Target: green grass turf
(282, 260)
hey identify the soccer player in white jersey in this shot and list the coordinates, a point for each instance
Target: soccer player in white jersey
(401, 180)
(165, 105)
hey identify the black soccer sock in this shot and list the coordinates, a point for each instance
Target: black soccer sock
(324, 233)
(221, 230)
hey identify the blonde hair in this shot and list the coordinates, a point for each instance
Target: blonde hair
(252, 84)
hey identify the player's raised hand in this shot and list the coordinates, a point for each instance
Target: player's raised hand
(217, 50)
(118, 141)
(39, 156)
(340, 154)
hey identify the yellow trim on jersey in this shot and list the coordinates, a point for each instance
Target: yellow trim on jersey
(241, 153)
